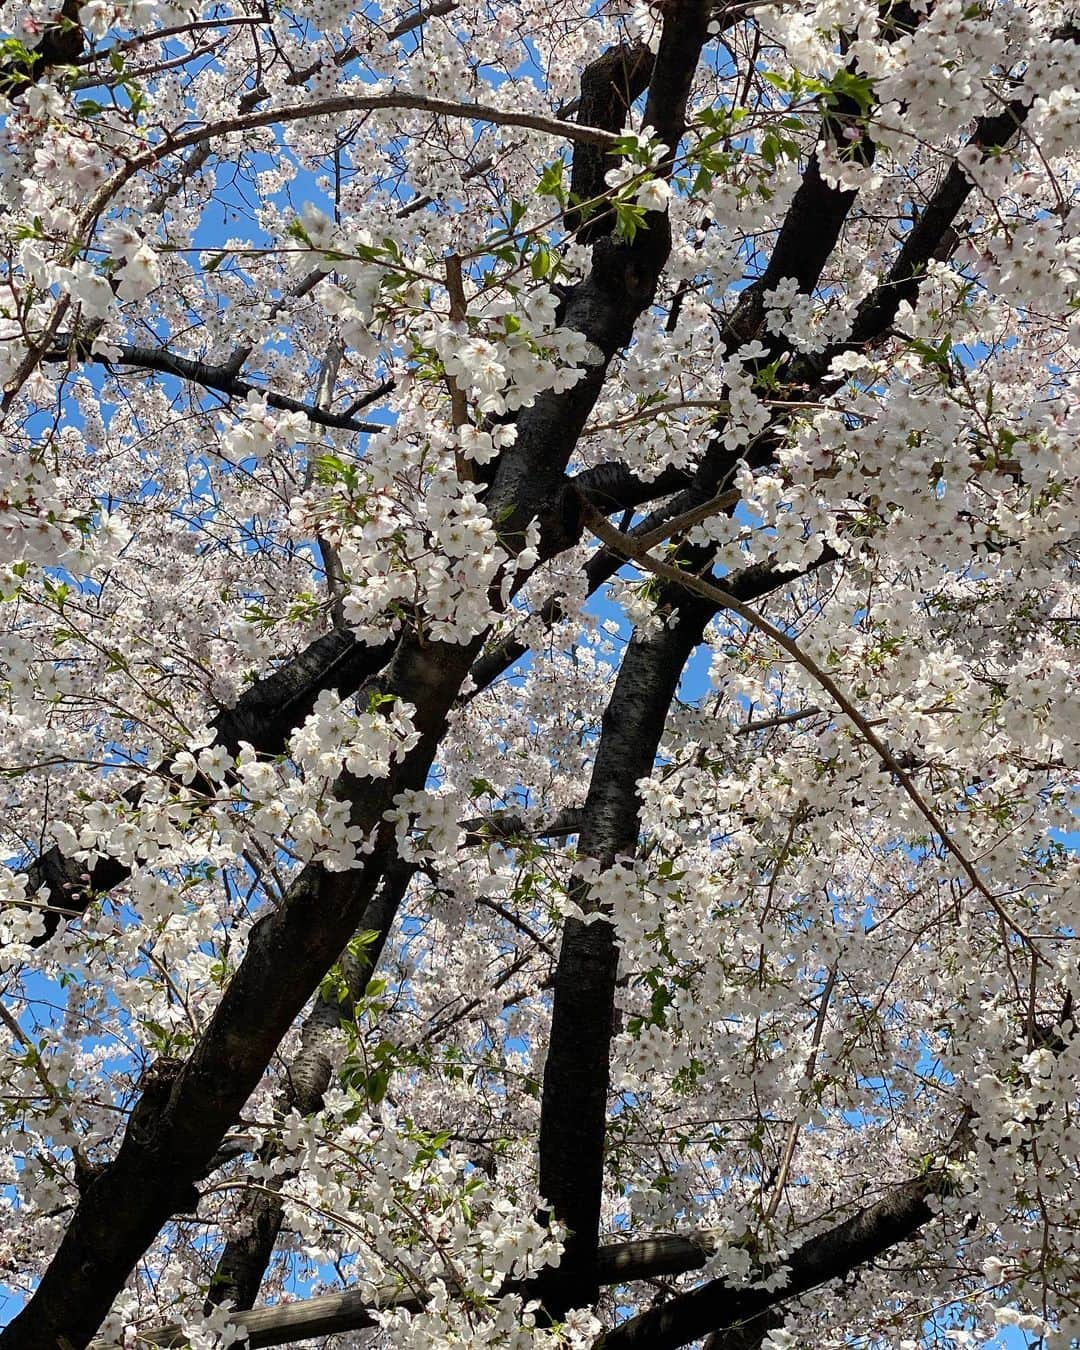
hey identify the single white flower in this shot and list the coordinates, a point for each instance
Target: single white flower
(654, 195)
(140, 274)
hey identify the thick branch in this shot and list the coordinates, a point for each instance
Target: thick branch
(169, 1141)
(807, 237)
(576, 1068)
(813, 222)
(609, 87)
(61, 44)
(876, 313)
(895, 1218)
(221, 378)
(244, 1260)
(280, 1324)
(264, 716)
(571, 1142)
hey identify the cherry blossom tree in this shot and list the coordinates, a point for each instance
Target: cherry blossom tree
(537, 717)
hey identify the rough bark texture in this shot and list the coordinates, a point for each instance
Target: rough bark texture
(264, 716)
(747, 1336)
(186, 1109)
(609, 88)
(244, 1259)
(291, 949)
(716, 1307)
(62, 43)
(576, 1070)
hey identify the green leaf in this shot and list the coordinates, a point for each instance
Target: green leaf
(858, 88)
(377, 1083)
(368, 253)
(629, 218)
(57, 591)
(540, 263)
(14, 57)
(767, 375)
(937, 356)
(703, 181)
(551, 182)
(136, 96)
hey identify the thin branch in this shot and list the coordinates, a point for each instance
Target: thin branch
(723, 501)
(336, 584)
(83, 1168)
(500, 825)
(398, 101)
(607, 534)
(161, 35)
(793, 1132)
(459, 407)
(783, 720)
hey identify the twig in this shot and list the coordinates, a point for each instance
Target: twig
(82, 1167)
(631, 550)
(723, 501)
(793, 1133)
(459, 407)
(783, 720)
(336, 585)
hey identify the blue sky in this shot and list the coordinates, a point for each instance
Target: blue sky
(214, 232)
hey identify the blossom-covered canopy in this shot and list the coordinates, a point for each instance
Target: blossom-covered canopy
(538, 712)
